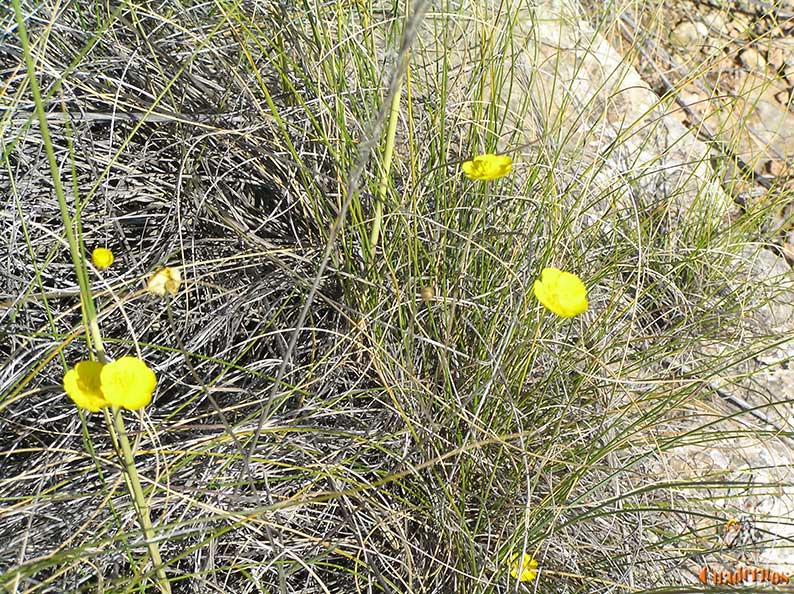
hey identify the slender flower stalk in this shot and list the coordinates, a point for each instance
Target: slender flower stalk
(116, 427)
(118, 434)
(89, 311)
(388, 153)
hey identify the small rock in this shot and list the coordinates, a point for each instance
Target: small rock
(777, 56)
(687, 33)
(775, 32)
(774, 125)
(770, 273)
(740, 26)
(781, 55)
(776, 167)
(783, 97)
(695, 99)
(716, 23)
(752, 59)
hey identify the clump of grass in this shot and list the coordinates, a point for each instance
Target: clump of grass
(358, 388)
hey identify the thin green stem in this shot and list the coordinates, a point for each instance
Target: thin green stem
(383, 184)
(118, 434)
(116, 428)
(89, 310)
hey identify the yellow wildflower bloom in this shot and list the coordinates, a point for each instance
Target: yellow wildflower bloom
(128, 382)
(164, 281)
(488, 166)
(82, 385)
(102, 258)
(524, 569)
(561, 292)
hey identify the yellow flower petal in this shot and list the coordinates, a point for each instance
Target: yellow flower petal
(102, 258)
(561, 292)
(128, 382)
(488, 166)
(524, 569)
(164, 281)
(82, 385)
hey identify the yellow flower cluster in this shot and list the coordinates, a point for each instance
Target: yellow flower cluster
(561, 292)
(127, 382)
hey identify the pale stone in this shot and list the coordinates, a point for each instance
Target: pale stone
(715, 22)
(775, 282)
(783, 51)
(776, 56)
(776, 167)
(686, 34)
(752, 59)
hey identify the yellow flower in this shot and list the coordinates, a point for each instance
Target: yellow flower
(561, 292)
(128, 382)
(164, 281)
(102, 258)
(488, 166)
(524, 570)
(82, 384)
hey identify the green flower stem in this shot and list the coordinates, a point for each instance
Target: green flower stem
(118, 434)
(89, 311)
(383, 184)
(116, 428)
